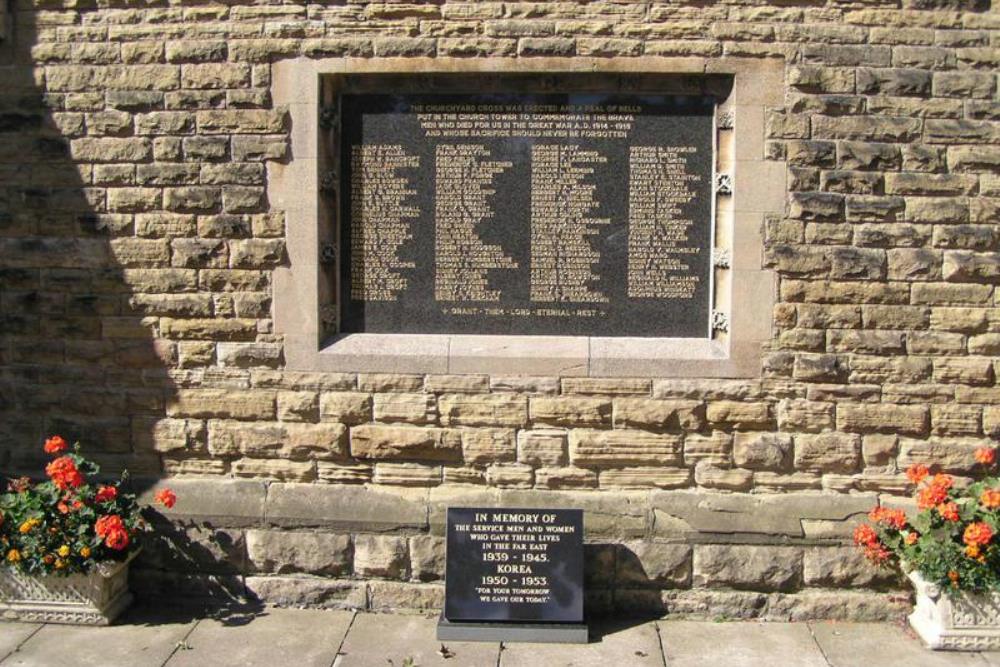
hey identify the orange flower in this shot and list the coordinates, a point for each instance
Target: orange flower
(112, 529)
(977, 533)
(990, 498)
(986, 455)
(106, 493)
(64, 473)
(864, 535)
(166, 497)
(953, 576)
(55, 445)
(948, 511)
(890, 517)
(911, 539)
(85, 552)
(972, 551)
(931, 496)
(917, 472)
(942, 480)
(877, 553)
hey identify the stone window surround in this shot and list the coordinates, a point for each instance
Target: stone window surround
(746, 293)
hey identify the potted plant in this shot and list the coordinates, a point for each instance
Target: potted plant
(950, 551)
(66, 542)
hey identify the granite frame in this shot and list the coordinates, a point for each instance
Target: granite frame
(745, 292)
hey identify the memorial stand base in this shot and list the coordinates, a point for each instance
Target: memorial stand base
(540, 633)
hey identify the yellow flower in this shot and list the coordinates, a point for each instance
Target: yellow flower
(28, 525)
(85, 552)
(13, 556)
(63, 551)
(60, 563)
(972, 551)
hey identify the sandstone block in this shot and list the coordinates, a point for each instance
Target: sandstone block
(510, 476)
(483, 410)
(283, 552)
(644, 478)
(840, 567)
(347, 407)
(827, 452)
(803, 415)
(883, 418)
(623, 448)
(285, 471)
(222, 404)
(646, 564)
(241, 121)
(168, 435)
(879, 449)
(427, 557)
(405, 407)
(407, 474)
(542, 447)
(308, 592)
(375, 441)
(658, 414)
(565, 478)
(485, 446)
(739, 414)
(564, 411)
(298, 406)
(762, 450)
(731, 479)
(380, 556)
(747, 567)
(953, 455)
(716, 447)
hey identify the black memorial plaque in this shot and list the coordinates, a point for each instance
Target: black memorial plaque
(518, 565)
(571, 214)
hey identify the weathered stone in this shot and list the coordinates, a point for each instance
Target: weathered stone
(564, 411)
(347, 407)
(762, 450)
(484, 446)
(483, 410)
(658, 414)
(285, 471)
(427, 557)
(380, 556)
(644, 478)
(646, 564)
(405, 407)
(708, 475)
(542, 447)
(401, 442)
(739, 415)
(827, 452)
(298, 406)
(308, 592)
(282, 552)
(883, 418)
(949, 454)
(623, 448)
(565, 478)
(510, 475)
(407, 474)
(741, 567)
(221, 403)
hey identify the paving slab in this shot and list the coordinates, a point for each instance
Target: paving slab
(143, 637)
(637, 645)
(695, 644)
(13, 634)
(301, 637)
(866, 644)
(383, 640)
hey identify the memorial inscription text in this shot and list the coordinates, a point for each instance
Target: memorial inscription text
(574, 214)
(514, 565)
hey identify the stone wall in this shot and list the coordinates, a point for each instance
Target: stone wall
(137, 250)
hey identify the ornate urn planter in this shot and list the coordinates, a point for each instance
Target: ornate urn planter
(958, 622)
(95, 598)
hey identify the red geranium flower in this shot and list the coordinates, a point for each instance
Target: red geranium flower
(977, 533)
(64, 473)
(986, 455)
(117, 540)
(106, 493)
(948, 511)
(166, 497)
(107, 524)
(865, 535)
(917, 472)
(55, 445)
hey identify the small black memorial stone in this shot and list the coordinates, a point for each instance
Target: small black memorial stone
(514, 575)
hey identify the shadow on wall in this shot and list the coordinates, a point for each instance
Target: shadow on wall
(85, 271)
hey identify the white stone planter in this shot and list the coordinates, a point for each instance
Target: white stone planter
(959, 622)
(81, 599)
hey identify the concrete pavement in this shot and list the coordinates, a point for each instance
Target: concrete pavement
(273, 637)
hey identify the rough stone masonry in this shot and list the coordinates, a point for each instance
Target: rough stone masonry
(137, 247)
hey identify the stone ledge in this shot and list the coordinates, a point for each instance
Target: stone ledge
(233, 503)
(345, 508)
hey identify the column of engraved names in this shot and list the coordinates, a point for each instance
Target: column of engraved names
(660, 186)
(562, 199)
(463, 179)
(380, 213)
